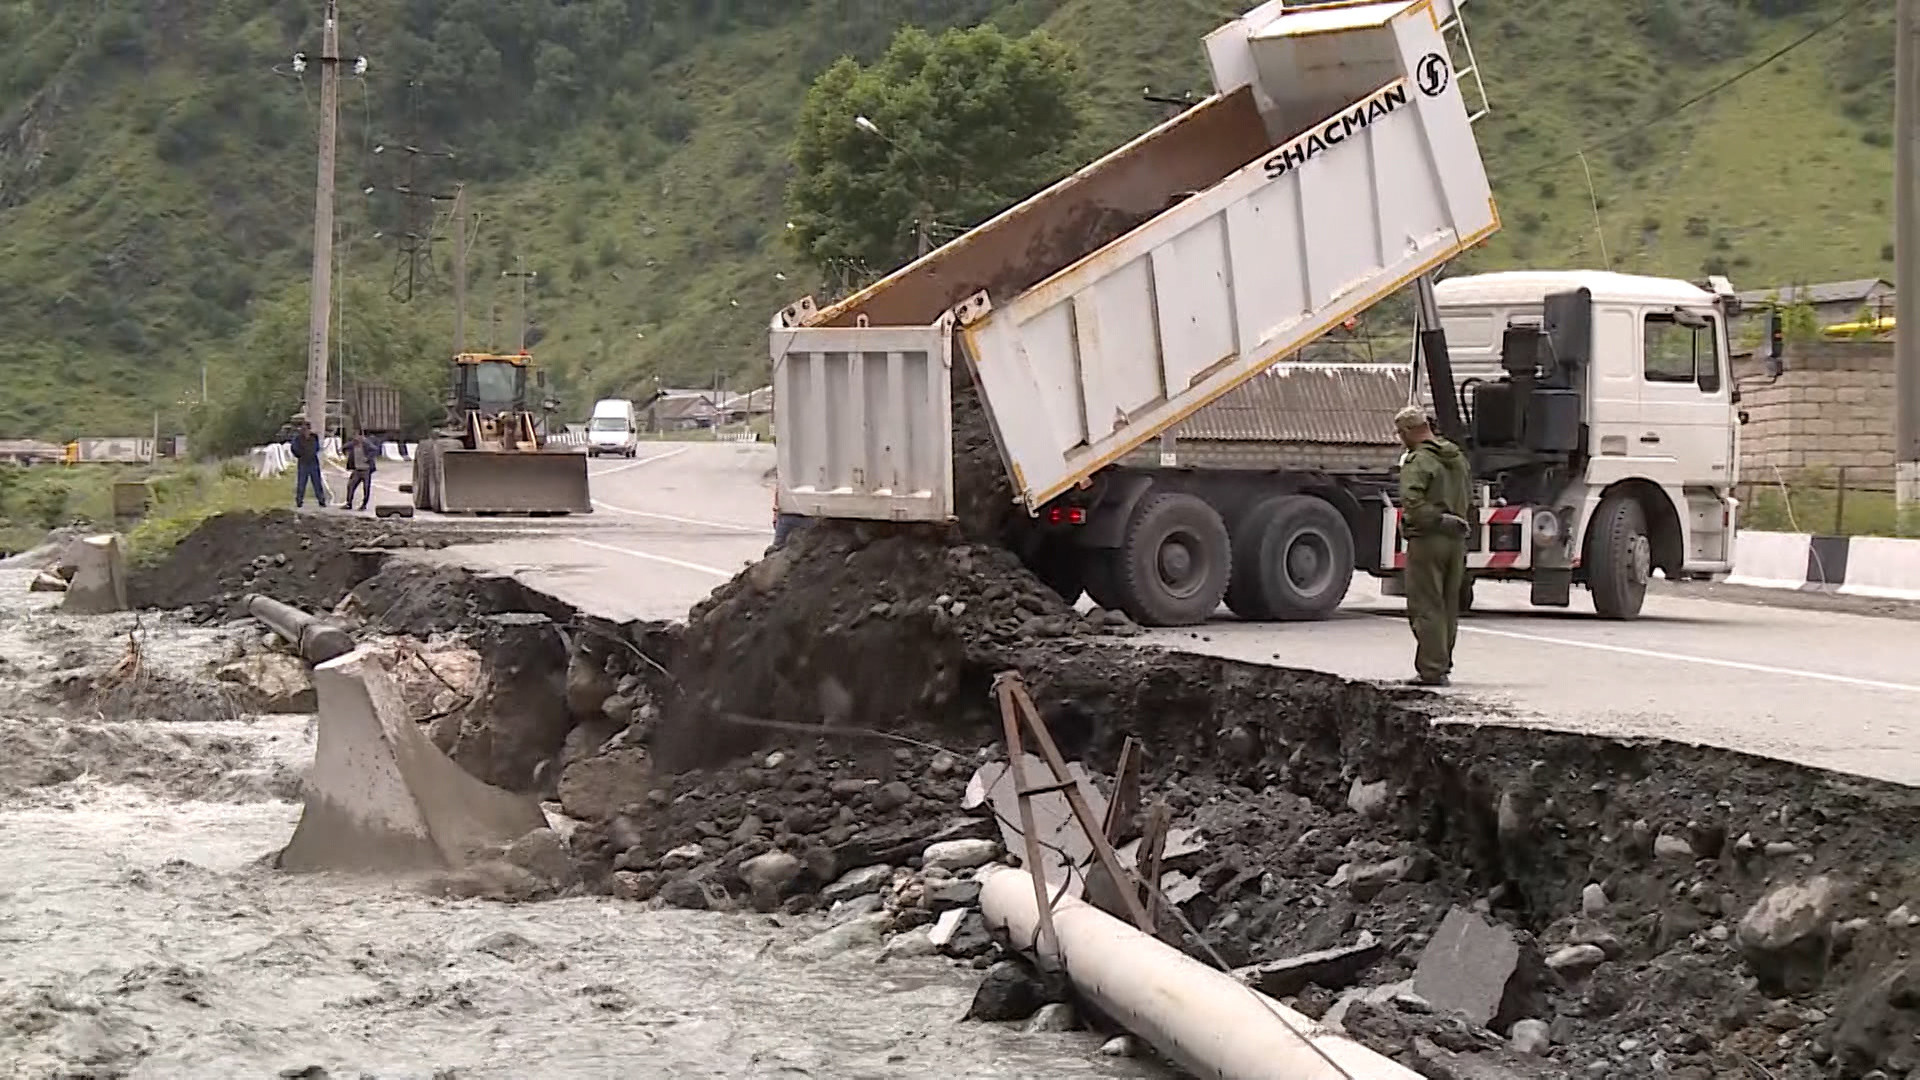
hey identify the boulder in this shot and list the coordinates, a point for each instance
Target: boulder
(768, 875)
(1010, 991)
(863, 932)
(855, 883)
(1577, 959)
(1787, 937)
(543, 852)
(276, 683)
(1879, 1021)
(595, 789)
(1331, 969)
(1531, 1037)
(1052, 1019)
(956, 855)
(588, 685)
(1486, 973)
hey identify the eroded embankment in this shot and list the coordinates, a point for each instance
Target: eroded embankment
(1631, 874)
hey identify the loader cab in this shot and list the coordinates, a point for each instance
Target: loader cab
(490, 385)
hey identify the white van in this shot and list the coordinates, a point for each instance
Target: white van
(614, 428)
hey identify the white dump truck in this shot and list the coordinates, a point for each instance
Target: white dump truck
(1334, 165)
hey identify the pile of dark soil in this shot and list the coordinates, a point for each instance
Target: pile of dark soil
(308, 560)
(866, 625)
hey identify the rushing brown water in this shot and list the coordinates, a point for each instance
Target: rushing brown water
(142, 935)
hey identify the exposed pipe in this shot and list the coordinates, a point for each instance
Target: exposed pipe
(317, 640)
(1203, 1020)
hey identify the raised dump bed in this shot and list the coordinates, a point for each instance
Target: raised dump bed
(1335, 163)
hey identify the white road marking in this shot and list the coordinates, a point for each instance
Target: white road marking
(1708, 661)
(723, 575)
(746, 529)
(637, 464)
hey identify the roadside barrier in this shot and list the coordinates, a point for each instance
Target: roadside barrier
(1881, 567)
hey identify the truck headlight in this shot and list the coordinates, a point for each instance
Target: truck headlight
(1546, 529)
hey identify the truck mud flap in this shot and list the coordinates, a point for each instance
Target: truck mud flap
(507, 482)
(381, 798)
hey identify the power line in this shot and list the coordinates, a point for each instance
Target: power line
(1851, 10)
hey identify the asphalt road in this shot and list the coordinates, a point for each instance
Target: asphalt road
(1800, 680)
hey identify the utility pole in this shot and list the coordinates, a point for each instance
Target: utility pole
(1906, 203)
(523, 274)
(321, 302)
(459, 269)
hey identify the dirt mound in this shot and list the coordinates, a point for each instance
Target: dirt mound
(865, 625)
(303, 559)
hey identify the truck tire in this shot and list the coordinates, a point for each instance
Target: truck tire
(424, 459)
(1172, 567)
(1619, 557)
(1292, 560)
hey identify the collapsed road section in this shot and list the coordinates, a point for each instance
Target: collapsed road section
(1454, 898)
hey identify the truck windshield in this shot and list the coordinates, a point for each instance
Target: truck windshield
(495, 386)
(607, 423)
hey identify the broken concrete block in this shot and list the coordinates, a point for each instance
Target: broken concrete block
(380, 797)
(1787, 938)
(1484, 972)
(1332, 969)
(98, 584)
(278, 682)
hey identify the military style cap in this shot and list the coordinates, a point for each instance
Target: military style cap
(1409, 418)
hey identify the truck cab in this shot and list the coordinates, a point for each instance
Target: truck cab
(1599, 412)
(613, 429)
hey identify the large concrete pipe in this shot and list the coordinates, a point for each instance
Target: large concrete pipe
(317, 640)
(1205, 1021)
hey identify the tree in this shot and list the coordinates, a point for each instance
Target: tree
(958, 128)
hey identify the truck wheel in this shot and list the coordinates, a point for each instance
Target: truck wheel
(1172, 568)
(1293, 560)
(1619, 557)
(424, 459)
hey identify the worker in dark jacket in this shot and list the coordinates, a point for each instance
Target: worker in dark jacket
(1435, 500)
(363, 458)
(305, 445)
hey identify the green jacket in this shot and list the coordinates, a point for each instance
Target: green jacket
(1434, 480)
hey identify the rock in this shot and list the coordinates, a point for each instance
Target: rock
(619, 709)
(943, 763)
(543, 852)
(861, 882)
(682, 857)
(862, 932)
(1593, 901)
(1669, 846)
(1332, 969)
(43, 582)
(588, 685)
(956, 855)
(768, 875)
(1053, 1019)
(278, 682)
(1119, 1046)
(1366, 882)
(1369, 800)
(892, 796)
(857, 907)
(1780, 849)
(1531, 1037)
(970, 938)
(912, 945)
(505, 945)
(1577, 959)
(686, 893)
(1482, 971)
(952, 893)
(638, 885)
(1009, 992)
(596, 788)
(1879, 1021)
(1787, 937)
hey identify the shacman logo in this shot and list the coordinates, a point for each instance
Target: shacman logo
(1335, 131)
(1433, 74)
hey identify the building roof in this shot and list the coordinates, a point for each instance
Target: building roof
(1826, 292)
(1307, 402)
(1521, 287)
(681, 407)
(752, 401)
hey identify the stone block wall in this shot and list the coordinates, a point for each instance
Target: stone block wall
(1832, 409)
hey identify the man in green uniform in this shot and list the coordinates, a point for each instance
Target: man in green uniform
(1434, 503)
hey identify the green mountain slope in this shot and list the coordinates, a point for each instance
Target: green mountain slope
(156, 171)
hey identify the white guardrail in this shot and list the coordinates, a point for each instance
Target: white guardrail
(1879, 567)
(277, 458)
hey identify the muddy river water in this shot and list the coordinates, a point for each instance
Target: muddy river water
(143, 935)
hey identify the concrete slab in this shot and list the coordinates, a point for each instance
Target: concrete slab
(98, 585)
(380, 797)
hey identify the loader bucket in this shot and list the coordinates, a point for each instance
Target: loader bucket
(513, 482)
(381, 798)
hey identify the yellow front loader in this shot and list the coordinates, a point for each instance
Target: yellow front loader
(490, 457)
